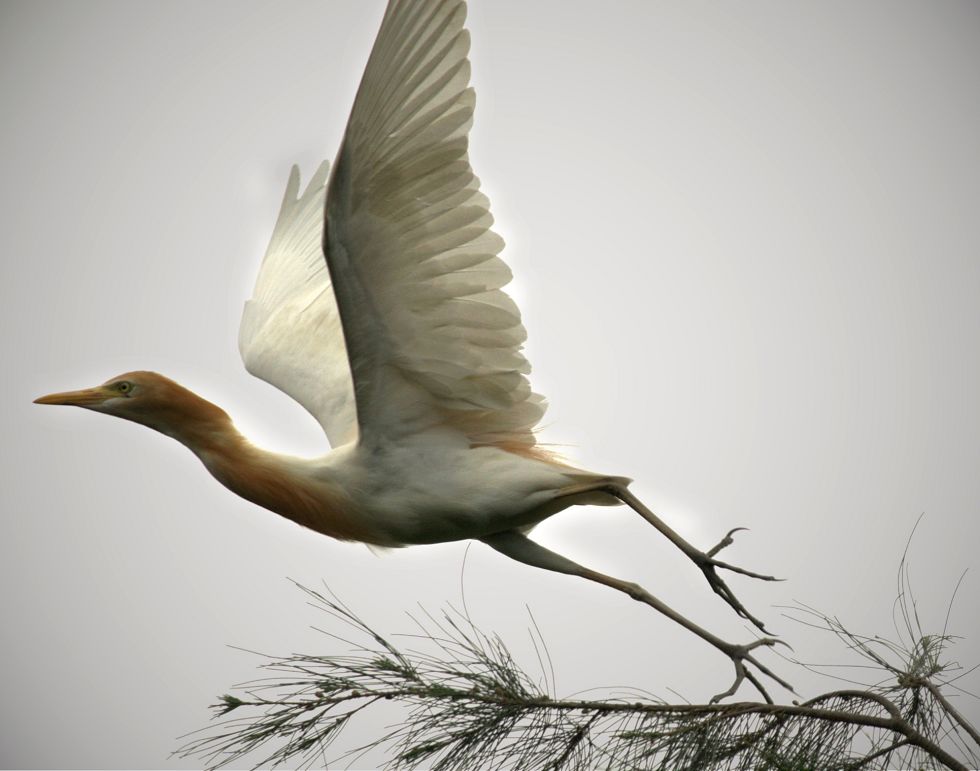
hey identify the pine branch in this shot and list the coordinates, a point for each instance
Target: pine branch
(469, 705)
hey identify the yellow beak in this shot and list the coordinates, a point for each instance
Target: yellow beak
(87, 397)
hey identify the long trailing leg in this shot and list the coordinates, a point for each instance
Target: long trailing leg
(523, 549)
(703, 559)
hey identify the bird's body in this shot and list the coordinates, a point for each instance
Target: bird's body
(424, 489)
(427, 487)
(379, 308)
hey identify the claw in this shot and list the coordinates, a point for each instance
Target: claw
(744, 572)
(709, 566)
(720, 588)
(724, 542)
(740, 654)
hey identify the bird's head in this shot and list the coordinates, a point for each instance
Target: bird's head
(148, 398)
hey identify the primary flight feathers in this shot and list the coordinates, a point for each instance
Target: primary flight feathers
(431, 339)
(290, 335)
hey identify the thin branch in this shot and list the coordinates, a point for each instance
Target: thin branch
(952, 711)
(468, 705)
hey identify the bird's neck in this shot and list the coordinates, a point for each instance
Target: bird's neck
(287, 485)
(272, 481)
(206, 430)
(190, 419)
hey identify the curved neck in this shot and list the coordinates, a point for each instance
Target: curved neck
(190, 419)
(273, 481)
(298, 489)
(270, 480)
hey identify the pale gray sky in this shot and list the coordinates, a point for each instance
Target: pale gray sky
(746, 245)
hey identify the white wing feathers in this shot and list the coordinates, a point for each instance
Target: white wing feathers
(290, 334)
(431, 337)
(431, 340)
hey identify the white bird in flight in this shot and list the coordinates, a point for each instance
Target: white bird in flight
(379, 308)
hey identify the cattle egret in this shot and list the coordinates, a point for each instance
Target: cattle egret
(379, 308)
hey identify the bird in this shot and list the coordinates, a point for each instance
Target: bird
(379, 307)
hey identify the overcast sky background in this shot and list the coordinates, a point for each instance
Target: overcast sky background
(747, 248)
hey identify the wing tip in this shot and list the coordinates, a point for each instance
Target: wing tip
(319, 178)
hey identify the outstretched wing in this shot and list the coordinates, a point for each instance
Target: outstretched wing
(290, 332)
(432, 340)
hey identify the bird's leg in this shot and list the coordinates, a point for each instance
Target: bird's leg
(703, 559)
(523, 549)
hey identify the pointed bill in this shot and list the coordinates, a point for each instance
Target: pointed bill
(86, 397)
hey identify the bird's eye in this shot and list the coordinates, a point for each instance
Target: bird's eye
(124, 387)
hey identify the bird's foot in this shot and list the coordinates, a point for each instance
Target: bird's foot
(710, 566)
(741, 655)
